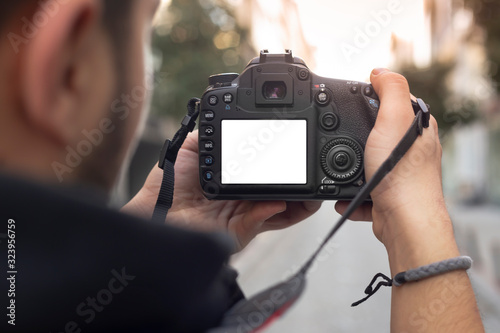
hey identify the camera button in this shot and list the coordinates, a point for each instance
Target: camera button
(209, 115)
(341, 160)
(208, 176)
(359, 183)
(213, 100)
(303, 74)
(354, 89)
(209, 131)
(209, 160)
(228, 98)
(329, 189)
(322, 97)
(368, 90)
(329, 121)
(208, 145)
(373, 103)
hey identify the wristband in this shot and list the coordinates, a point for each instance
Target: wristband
(417, 274)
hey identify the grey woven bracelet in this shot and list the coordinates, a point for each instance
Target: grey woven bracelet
(416, 274)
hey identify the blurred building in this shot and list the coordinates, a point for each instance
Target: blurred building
(471, 152)
(457, 39)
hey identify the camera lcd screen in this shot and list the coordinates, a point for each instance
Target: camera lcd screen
(264, 151)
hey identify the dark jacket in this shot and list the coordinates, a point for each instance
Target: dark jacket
(82, 266)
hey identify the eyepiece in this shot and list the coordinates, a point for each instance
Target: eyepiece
(274, 90)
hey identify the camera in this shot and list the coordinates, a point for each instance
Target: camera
(280, 132)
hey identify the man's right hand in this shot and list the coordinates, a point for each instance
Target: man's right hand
(412, 192)
(410, 217)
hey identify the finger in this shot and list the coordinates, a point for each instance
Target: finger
(434, 125)
(363, 213)
(191, 142)
(260, 212)
(295, 212)
(254, 218)
(264, 210)
(312, 206)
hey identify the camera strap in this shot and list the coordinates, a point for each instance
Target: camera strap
(255, 313)
(168, 156)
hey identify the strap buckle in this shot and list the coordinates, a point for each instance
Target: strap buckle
(166, 154)
(189, 122)
(420, 106)
(169, 151)
(426, 114)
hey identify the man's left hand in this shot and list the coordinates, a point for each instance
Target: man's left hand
(190, 209)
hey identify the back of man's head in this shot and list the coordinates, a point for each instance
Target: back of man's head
(115, 12)
(70, 66)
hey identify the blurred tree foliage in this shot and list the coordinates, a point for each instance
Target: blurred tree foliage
(486, 15)
(430, 84)
(194, 39)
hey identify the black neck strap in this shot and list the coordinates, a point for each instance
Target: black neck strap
(280, 297)
(421, 121)
(168, 156)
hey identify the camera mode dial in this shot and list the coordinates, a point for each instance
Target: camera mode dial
(222, 79)
(341, 159)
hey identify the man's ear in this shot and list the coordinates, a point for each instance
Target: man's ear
(54, 78)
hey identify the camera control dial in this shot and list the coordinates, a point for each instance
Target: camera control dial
(222, 79)
(341, 159)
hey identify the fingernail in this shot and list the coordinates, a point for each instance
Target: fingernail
(378, 71)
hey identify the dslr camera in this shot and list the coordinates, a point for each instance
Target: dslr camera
(280, 132)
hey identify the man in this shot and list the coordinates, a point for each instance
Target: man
(69, 68)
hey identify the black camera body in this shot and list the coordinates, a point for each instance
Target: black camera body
(280, 132)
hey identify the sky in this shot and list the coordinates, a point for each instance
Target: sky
(345, 28)
(352, 37)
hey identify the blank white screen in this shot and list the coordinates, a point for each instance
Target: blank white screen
(264, 151)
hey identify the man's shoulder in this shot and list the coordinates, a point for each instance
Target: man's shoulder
(81, 209)
(70, 248)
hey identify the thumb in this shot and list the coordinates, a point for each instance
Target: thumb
(396, 113)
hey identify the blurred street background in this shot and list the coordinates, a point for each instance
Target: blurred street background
(450, 52)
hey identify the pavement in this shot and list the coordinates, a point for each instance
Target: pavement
(477, 230)
(339, 277)
(342, 272)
